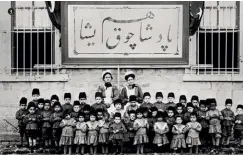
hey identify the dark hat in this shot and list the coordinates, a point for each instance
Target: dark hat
(117, 114)
(98, 94)
(239, 106)
(105, 73)
(47, 101)
(92, 113)
(193, 114)
(160, 114)
(131, 112)
(153, 109)
(182, 97)
(195, 97)
(117, 101)
(159, 94)
(57, 103)
(132, 98)
(86, 107)
(76, 102)
(31, 104)
(171, 94)
(82, 95)
(179, 105)
(129, 74)
(171, 108)
(99, 110)
(41, 100)
(23, 100)
(139, 110)
(81, 114)
(67, 95)
(66, 112)
(54, 97)
(189, 104)
(203, 102)
(146, 94)
(35, 91)
(228, 101)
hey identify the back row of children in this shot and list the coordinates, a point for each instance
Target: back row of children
(168, 126)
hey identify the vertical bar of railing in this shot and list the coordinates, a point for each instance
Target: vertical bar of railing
(38, 49)
(17, 30)
(218, 25)
(233, 39)
(24, 27)
(212, 33)
(226, 42)
(51, 27)
(31, 12)
(198, 51)
(118, 76)
(205, 46)
(44, 46)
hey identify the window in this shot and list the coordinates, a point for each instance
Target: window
(32, 37)
(218, 38)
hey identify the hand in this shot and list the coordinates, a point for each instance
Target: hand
(202, 116)
(236, 121)
(239, 121)
(30, 119)
(130, 128)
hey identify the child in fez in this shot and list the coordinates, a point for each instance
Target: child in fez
(238, 129)
(67, 104)
(35, 95)
(159, 102)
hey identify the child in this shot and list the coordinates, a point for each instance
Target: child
(170, 121)
(40, 106)
(118, 108)
(151, 120)
(117, 130)
(46, 124)
(214, 116)
(171, 98)
(86, 110)
(183, 101)
(238, 129)
(67, 104)
(67, 132)
(141, 127)
(99, 103)
(190, 109)
(132, 105)
(195, 102)
(54, 98)
(194, 128)
(56, 119)
(179, 110)
(103, 131)
(228, 122)
(35, 95)
(39, 110)
(129, 135)
(82, 99)
(80, 134)
(146, 100)
(204, 122)
(178, 140)
(92, 137)
(159, 101)
(161, 129)
(76, 109)
(20, 114)
(31, 120)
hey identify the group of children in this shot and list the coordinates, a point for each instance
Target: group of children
(158, 126)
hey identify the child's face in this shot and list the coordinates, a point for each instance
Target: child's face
(170, 113)
(145, 114)
(98, 100)
(100, 115)
(76, 108)
(68, 116)
(179, 110)
(82, 100)
(193, 118)
(133, 103)
(40, 105)
(81, 118)
(130, 81)
(159, 119)
(203, 107)
(146, 99)
(118, 106)
(86, 111)
(53, 101)
(47, 106)
(228, 106)
(117, 120)
(35, 97)
(107, 78)
(67, 100)
(213, 106)
(23, 106)
(171, 99)
(31, 110)
(139, 115)
(57, 108)
(190, 109)
(178, 120)
(239, 111)
(183, 102)
(154, 113)
(92, 118)
(195, 103)
(159, 99)
(132, 116)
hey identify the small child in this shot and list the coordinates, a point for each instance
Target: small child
(67, 132)
(152, 119)
(93, 128)
(35, 95)
(238, 129)
(67, 104)
(129, 135)
(118, 108)
(56, 119)
(40, 106)
(190, 109)
(179, 110)
(76, 109)
(170, 121)
(171, 98)
(54, 98)
(117, 130)
(141, 127)
(20, 114)
(159, 101)
(80, 134)
(204, 122)
(82, 99)
(86, 110)
(195, 102)
(100, 104)
(161, 129)
(146, 100)
(183, 101)
(103, 130)
(46, 124)
(214, 116)
(31, 120)
(132, 105)
(228, 122)
(178, 140)
(194, 128)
